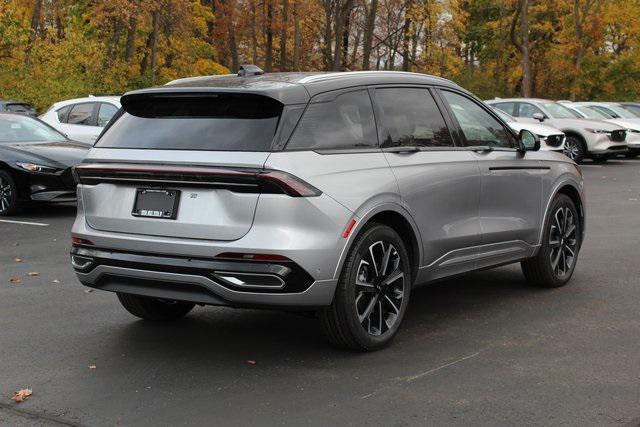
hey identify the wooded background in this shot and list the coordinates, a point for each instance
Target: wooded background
(563, 49)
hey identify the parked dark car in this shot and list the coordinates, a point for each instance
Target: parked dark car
(18, 107)
(35, 163)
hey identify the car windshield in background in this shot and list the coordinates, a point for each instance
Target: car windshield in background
(15, 128)
(218, 122)
(504, 116)
(559, 111)
(590, 113)
(621, 111)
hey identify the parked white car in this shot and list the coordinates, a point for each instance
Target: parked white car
(82, 119)
(632, 124)
(585, 138)
(551, 139)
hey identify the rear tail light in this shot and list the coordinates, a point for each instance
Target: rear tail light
(288, 183)
(238, 180)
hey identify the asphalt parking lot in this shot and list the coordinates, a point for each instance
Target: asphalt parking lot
(483, 349)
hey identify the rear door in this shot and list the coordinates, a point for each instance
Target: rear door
(511, 194)
(439, 182)
(202, 150)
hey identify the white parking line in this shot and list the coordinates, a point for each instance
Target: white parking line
(39, 224)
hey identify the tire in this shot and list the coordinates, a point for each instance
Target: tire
(575, 149)
(554, 265)
(632, 153)
(600, 159)
(154, 309)
(8, 195)
(382, 292)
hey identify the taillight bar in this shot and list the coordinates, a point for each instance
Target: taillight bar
(234, 179)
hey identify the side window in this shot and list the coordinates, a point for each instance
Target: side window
(633, 108)
(478, 126)
(528, 110)
(344, 122)
(81, 114)
(63, 112)
(410, 117)
(507, 107)
(107, 111)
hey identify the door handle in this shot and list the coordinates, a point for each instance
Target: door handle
(402, 150)
(482, 149)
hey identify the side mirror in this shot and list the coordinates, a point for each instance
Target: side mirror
(530, 141)
(539, 117)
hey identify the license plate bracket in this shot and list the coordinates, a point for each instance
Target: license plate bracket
(156, 203)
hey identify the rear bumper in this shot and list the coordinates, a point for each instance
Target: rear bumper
(202, 281)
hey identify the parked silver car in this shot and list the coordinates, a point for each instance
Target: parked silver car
(551, 138)
(595, 139)
(331, 192)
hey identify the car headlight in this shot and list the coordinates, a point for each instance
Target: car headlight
(32, 167)
(598, 131)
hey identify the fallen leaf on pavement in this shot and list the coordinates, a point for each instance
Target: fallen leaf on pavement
(21, 395)
(15, 280)
(18, 259)
(33, 273)
(56, 281)
(633, 199)
(251, 362)
(88, 291)
(92, 366)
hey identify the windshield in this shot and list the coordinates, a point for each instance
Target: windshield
(559, 111)
(590, 113)
(216, 122)
(504, 116)
(15, 128)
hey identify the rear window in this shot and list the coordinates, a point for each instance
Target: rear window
(20, 108)
(216, 122)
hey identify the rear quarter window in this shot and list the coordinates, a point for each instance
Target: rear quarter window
(216, 122)
(343, 122)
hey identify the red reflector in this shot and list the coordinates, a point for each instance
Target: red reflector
(349, 228)
(253, 257)
(79, 241)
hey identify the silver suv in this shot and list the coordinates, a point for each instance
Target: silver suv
(335, 193)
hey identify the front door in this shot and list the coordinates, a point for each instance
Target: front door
(511, 194)
(438, 182)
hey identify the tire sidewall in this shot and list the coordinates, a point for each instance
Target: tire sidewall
(13, 203)
(346, 287)
(560, 201)
(582, 151)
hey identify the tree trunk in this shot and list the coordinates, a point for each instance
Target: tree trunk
(113, 43)
(254, 36)
(342, 14)
(406, 36)
(154, 44)
(368, 34)
(283, 35)
(526, 55)
(296, 37)
(35, 25)
(233, 47)
(131, 39)
(268, 57)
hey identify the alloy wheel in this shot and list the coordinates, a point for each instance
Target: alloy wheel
(571, 148)
(563, 242)
(380, 288)
(5, 194)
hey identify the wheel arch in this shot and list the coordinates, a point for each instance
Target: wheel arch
(396, 217)
(572, 190)
(574, 133)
